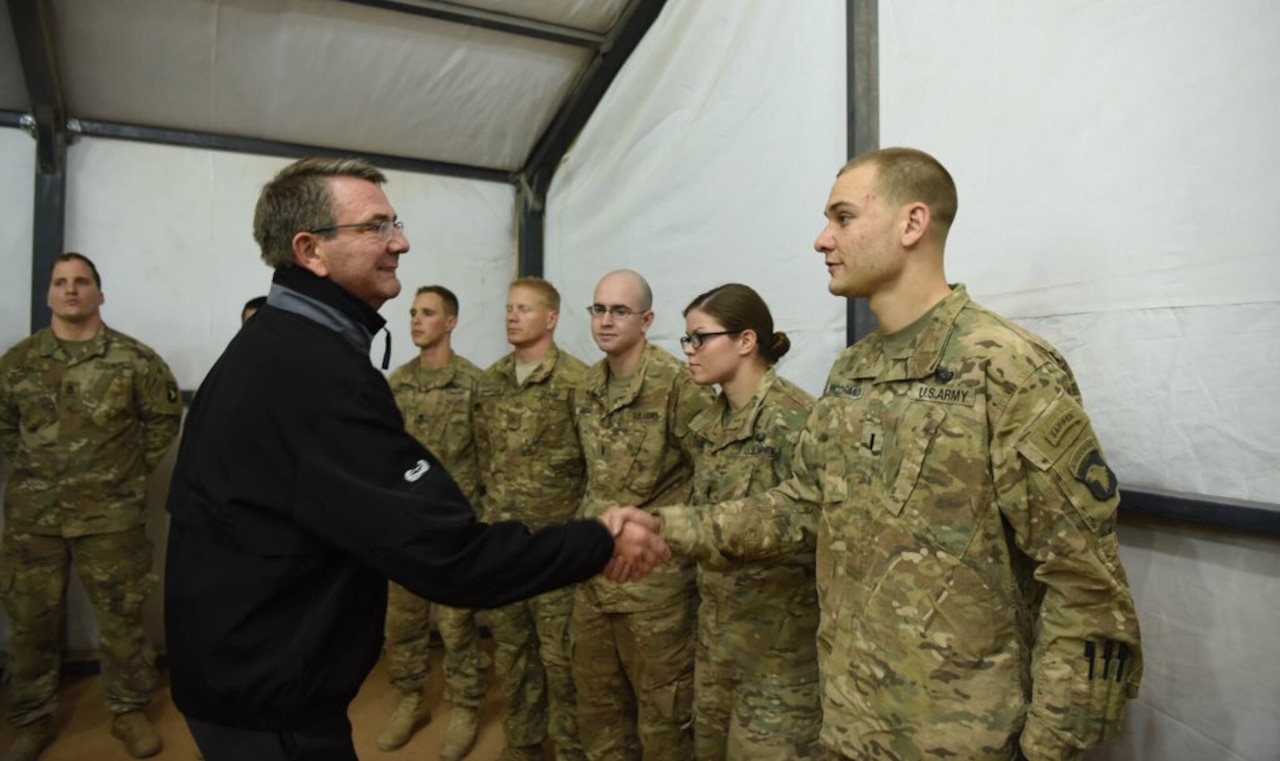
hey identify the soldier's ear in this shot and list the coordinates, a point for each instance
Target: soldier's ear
(553, 319)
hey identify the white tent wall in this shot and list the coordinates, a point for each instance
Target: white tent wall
(17, 180)
(1114, 162)
(708, 162)
(171, 231)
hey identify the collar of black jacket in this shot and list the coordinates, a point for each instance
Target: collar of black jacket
(297, 290)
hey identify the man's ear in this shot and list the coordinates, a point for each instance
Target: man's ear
(306, 254)
(553, 319)
(917, 224)
(450, 323)
(646, 321)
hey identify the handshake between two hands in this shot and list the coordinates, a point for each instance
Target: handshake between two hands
(637, 548)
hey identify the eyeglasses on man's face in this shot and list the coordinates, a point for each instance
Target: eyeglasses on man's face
(618, 312)
(384, 229)
(696, 340)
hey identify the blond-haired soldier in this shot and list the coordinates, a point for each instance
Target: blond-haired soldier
(532, 471)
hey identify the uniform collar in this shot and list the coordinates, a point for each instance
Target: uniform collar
(598, 379)
(708, 425)
(540, 374)
(48, 345)
(921, 358)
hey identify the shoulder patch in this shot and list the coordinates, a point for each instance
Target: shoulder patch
(1094, 473)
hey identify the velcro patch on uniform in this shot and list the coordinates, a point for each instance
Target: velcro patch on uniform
(849, 391)
(1062, 425)
(1054, 433)
(759, 449)
(1092, 471)
(930, 392)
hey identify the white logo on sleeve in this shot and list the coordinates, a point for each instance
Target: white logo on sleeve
(417, 471)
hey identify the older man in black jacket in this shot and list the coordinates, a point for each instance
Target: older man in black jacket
(297, 494)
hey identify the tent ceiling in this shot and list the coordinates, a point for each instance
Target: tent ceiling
(385, 77)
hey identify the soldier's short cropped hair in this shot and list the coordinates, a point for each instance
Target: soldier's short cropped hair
(73, 256)
(447, 296)
(298, 200)
(907, 175)
(544, 288)
(738, 307)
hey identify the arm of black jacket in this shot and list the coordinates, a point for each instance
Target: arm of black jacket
(368, 487)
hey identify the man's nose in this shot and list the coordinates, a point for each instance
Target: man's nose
(824, 242)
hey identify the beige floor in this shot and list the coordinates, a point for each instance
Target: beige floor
(83, 723)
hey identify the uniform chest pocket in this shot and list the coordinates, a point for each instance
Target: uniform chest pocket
(734, 473)
(108, 395)
(906, 453)
(37, 408)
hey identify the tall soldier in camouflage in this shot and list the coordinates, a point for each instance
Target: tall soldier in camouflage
(532, 471)
(756, 694)
(86, 413)
(973, 601)
(633, 643)
(435, 392)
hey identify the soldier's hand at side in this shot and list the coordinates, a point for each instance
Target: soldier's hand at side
(616, 517)
(639, 549)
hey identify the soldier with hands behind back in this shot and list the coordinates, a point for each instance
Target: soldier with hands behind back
(86, 413)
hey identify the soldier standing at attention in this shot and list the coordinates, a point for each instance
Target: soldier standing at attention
(756, 677)
(532, 471)
(973, 601)
(633, 643)
(86, 413)
(435, 392)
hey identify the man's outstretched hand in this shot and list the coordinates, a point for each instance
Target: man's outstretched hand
(637, 548)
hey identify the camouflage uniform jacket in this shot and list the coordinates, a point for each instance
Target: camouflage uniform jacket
(82, 434)
(763, 616)
(968, 571)
(531, 467)
(638, 453)
(437, 406)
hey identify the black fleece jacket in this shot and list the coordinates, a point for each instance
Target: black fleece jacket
(296, 495)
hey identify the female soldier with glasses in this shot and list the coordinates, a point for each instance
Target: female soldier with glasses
(756, 674)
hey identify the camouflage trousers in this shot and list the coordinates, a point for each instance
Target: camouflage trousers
(531, 652)
(408, 647)
(115, 570)
(742, 712)
(634, 674)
